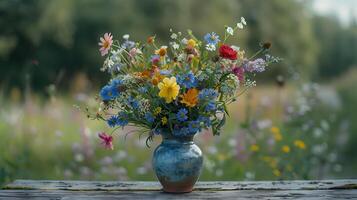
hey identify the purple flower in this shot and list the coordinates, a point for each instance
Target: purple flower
(155, 59)
(257, 65)
(239, 72)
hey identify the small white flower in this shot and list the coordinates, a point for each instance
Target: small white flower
(110, 63)
(229, 30)
(242, 20)
(175, 45)
(181, 57)
(184, 41)
(126, 36)
(210, 47)
(240, 25)
(174, 36)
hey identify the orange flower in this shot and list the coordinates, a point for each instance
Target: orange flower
(157, 78)
(151, 40)
(144, 74)
(162, 51)
(190, 98)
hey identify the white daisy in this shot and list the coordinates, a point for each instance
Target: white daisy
(229, 30)
(240, 25)
(210, 47)
(242, 20)
(174, 36)
(126, 36)
(175, 45)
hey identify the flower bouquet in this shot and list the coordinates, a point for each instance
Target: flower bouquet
(175, 91)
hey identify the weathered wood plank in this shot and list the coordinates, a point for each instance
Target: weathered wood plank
(200, 186)
(207, 195)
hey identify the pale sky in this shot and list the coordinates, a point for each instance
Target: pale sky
(343, 9)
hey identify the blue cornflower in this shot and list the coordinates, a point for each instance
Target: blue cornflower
(116, 83)
(181, 115)
(207, 94)
(205, 120)
(108, 92)
(128, 44)
(133, 102)
(113, 121)
(149, 117)
(187, 80)
(122, 119)
(211, 106)
(194, 126)
(211, 38)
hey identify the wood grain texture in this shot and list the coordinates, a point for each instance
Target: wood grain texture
(45, 189)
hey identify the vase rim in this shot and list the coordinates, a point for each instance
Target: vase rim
(177, 140)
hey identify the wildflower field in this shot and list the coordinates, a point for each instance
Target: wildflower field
(296, 131)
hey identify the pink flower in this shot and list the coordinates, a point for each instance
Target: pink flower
(105, 43)
(134, 51)
(239, 72)
(107, 140)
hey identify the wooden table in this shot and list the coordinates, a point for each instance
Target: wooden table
(42, 189)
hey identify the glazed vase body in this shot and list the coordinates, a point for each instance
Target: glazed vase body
(177, 163)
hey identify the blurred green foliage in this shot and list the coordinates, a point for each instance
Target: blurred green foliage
(42, 41)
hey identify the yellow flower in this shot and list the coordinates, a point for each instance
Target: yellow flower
(164, 120)
(169, 89)
(254, 148)
(191, 43)
(266, 158)
(157, 110)
(276, 172)
(299, 144)
(221, 157)
(285, 149)
(274, 130)
(190, 98)
(276, 133)
(273, 163)
(162, 51)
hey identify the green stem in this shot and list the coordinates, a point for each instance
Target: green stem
(257, 53)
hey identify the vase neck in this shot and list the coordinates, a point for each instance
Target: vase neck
(169, 139)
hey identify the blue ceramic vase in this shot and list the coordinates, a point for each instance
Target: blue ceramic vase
(177, 163)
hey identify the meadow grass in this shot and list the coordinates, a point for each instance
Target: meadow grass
(52, 139)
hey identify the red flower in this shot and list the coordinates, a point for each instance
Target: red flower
(226, 51)
(107, 140)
